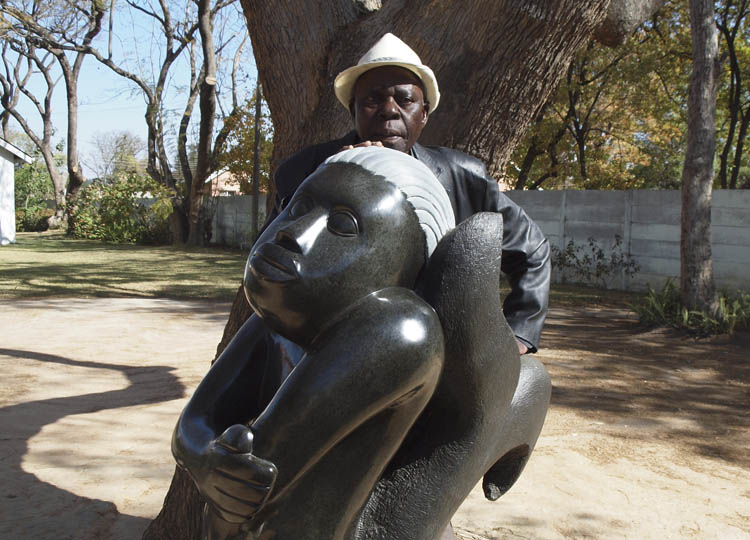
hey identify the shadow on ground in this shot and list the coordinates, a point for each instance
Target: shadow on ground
(663, 382)
(28, 502)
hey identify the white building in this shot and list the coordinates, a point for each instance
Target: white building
(10, 156)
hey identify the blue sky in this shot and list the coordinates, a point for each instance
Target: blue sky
(110, 103)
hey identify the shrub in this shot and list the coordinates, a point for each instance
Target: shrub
(591, 265)
(33, 218)
(129, 208)
(665, 308)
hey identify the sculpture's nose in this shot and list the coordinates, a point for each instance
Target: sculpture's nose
(300, 235)
(287, 241)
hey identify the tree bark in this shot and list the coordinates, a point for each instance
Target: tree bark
(696, 268)
(496, 63)
(256, 161)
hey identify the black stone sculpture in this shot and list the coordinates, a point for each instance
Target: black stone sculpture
(369, 392)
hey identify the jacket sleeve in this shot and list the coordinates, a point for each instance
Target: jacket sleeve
(526, 264)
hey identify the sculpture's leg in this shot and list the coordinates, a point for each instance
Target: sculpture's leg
(522, 426)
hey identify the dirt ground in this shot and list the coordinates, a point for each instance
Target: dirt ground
(647, 436)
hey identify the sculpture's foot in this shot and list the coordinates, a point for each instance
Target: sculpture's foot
(448, 533)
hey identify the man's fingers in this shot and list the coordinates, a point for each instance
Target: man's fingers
(362, 144)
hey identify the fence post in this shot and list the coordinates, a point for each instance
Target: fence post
(626, 230)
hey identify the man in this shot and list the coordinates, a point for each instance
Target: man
(390, 94)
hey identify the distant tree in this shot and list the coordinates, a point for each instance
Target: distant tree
(696, 266)
(238, 155)
(56, 27)
(733, 22)
(21, 60)
(617, 119)
(117, 152)
(190, 33)
(33, 186)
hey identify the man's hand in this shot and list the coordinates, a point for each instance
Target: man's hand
(522, 349)
(362, 144)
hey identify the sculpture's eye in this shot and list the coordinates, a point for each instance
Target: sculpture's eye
(343, 223)
(300, 206)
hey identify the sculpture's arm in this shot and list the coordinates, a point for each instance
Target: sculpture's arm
(228, 395)
(385, 352)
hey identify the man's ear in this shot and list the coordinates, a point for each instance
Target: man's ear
(425, 113)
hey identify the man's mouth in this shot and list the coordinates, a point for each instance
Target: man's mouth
(271, 262)
(388, 134)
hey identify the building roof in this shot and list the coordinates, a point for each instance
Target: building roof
(17, 152)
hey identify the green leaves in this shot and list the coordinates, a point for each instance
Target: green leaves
(665, 308)
(130, 208)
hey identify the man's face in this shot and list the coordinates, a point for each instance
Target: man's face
(389, 107)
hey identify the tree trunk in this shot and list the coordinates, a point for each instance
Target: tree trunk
(696, 268)
(256, 161)
(496, 63)
(208, 112)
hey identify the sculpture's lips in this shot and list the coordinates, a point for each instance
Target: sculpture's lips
(272, 262)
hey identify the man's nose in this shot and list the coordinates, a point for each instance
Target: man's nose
(300, 235)
(389, 108)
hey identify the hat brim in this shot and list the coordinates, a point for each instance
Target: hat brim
(343, 86)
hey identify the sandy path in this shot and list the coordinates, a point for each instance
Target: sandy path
(91, 390)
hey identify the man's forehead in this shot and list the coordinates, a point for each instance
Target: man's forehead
(386, 77)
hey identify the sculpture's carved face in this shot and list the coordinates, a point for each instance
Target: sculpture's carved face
(389, 107)
(345, 233)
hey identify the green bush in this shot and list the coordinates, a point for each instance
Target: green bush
(129, 208)
(33, 218)
(591, 265)
(665, 308)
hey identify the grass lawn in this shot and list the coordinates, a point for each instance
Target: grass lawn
(51, 264)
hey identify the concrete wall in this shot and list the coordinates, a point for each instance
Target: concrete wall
(231, 224)
(648, 221)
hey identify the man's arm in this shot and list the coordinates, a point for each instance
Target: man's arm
(526, 263)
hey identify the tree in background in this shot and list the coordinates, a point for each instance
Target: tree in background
(696, 267)
(33, 190)
(238, 155)
(117, 153)
(57, 27)
(497, 63)
(734, 101)
(204, 34)
(21, 59)
(617, 119)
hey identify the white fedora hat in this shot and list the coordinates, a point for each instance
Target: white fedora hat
(388, 51)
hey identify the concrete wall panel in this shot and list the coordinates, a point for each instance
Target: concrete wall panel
(647, 220)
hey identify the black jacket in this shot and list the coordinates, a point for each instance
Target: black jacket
(525, 248)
